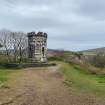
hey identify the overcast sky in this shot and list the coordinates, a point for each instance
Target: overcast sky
(70, 24)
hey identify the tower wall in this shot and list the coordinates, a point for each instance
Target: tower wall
(37, 46)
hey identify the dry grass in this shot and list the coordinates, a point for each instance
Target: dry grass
(82, 80)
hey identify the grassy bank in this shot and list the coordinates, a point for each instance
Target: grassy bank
(83, 81)
(4, 75)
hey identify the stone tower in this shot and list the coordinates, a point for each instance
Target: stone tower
(37, 47)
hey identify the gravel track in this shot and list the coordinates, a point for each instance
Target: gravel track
(42, 87)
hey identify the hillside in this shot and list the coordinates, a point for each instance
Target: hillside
(57, 52)
(94, 51)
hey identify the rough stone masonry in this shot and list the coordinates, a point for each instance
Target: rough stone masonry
(37, 47)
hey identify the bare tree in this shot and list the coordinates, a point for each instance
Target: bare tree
(14, 44)
(19, 41)
(6, 42)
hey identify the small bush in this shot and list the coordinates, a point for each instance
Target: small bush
(55, 58)
(99, 60)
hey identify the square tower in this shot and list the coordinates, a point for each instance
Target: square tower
(37, 47)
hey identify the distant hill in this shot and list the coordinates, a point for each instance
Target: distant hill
(94, 51)
(57, 52)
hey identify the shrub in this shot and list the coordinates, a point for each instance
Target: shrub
(55, 58)
(99, 60)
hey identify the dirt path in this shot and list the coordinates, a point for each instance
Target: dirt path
(42, 87)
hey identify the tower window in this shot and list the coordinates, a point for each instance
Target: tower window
(43, 51)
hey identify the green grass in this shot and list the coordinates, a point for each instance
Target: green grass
(83, 81)
(4, 75)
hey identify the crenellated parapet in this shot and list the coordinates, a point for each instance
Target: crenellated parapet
(40, 34)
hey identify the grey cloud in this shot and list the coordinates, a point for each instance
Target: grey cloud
(91, 8)
(77, 23)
